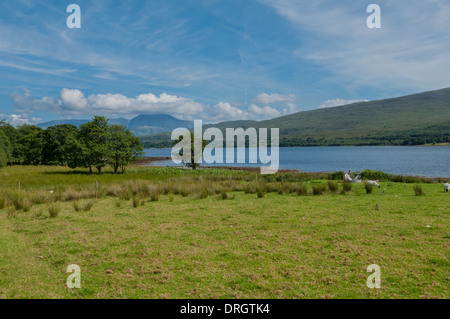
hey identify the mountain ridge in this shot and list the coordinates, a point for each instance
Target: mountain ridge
(407, 120)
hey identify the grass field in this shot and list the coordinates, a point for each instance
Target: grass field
(224, 235)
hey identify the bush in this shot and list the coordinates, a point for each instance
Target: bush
(53, 210)
(369, 188)
(336, 176)
(346, 187)
(374, 175)
(418, 190)
(332, 186)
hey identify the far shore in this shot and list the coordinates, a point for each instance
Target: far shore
(422, 145)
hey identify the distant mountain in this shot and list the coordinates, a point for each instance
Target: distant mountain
(45, 125)
(409, 120)
(140, 125)
(156, 123)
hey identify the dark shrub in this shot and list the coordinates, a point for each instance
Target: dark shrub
(336, 176)
(369, 188)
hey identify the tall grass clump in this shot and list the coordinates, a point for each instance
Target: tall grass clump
(346, 187)
(83, 206)
(418, 190)
(301, 189)
(136, 202)
(2, 203)
(154, 195)
(53, 210)
(41, 197)
(18, 200)
(260, 191)
(333, 186)
(319, 189)
(369, 188)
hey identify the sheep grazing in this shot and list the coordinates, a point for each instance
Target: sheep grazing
(446, 187)
(373, 183)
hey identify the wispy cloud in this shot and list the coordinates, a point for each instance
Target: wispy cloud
(409, 51)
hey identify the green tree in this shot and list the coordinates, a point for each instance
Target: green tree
(58, 145)
(123, 147)
(192, 163)
(30, 144)
(12, 134)
(5, 149)
(94, 137)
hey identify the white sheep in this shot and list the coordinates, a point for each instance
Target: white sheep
(373, 183)
(446, 187)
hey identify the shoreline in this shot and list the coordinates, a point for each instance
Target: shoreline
(149, 159)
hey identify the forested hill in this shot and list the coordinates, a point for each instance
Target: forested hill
(410, 120)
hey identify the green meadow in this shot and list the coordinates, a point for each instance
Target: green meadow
(173, 233)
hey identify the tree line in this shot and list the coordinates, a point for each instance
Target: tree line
(95, 144)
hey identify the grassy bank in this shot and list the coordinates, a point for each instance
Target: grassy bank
(171, 233)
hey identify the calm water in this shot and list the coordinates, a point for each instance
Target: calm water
(405, 160)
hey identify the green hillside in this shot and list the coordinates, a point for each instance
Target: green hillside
(410, 120)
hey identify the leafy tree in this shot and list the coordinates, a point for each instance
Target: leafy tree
(5, 149)
(58, 146)
(94, 136)
(192, 163)
(12, 135)
(31, 143)
(123, 147)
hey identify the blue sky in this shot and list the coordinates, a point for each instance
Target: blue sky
(214, 60)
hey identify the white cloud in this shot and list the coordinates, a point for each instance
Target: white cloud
(223, 111)
(265, 112)
(338, 102)
(74, 102)
(18, 120)
(267, 99)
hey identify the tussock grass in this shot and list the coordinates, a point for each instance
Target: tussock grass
(83, 206)
(346, 187)
(301, 189)
(418, 190)
(319, 189)
(332, 186)
(54, 210)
